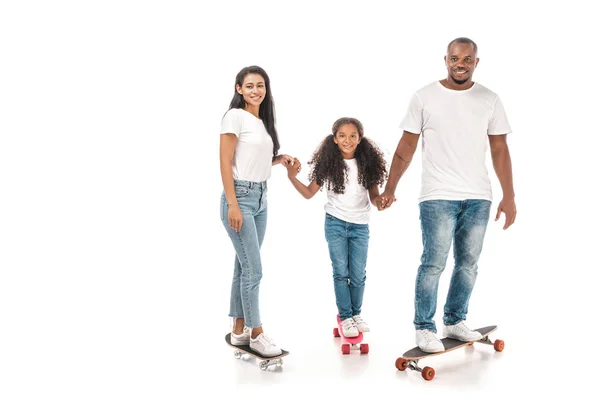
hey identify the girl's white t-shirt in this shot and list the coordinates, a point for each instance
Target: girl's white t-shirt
(254, 151)
(353, 205)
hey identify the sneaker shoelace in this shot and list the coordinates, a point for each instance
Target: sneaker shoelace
(348, 323)
(267, 341)
(359, 320)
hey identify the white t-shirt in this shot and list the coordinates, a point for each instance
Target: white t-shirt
(254, 151)
(454, 125)
(353, 205)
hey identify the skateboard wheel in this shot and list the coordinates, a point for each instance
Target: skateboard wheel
(279, 362)
(499, 345)
(364, 348)
(336, 332)
(401, 364)
(345, 348)
(263, 365)
(428, 373)
(237, 354)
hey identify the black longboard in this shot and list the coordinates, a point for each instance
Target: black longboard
(410, 358)
(266, 361)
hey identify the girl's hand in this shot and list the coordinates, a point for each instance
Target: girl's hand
(293, 168)
(235, 218)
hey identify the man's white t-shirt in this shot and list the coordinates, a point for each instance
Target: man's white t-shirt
(254, 151)
(353, 205)
(454, 125)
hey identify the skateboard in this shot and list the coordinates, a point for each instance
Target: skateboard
(353, 342)
(265, 363)
(411, 358)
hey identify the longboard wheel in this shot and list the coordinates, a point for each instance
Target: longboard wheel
(499, 345)
(428, 373)
(364, 348)
(336, 332)
(345, 348)
(401, 364)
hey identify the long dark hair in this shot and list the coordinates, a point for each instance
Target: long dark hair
(330, 170)
(267, 107)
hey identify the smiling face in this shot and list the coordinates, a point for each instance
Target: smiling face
(347, 139)
(461, 61)
(253, 90)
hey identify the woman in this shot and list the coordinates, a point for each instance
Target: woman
(249, 147)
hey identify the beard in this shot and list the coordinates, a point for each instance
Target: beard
(457, 81)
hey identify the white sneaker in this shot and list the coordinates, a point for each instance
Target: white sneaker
(428, 341)
(265, 346)
(243, 339)
(461, 332)
(361, 324)
(349, 328)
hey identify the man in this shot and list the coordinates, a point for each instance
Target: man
(457, 118)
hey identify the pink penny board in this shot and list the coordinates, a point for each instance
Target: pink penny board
(352, 342)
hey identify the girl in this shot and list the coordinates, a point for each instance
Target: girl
(249, 146)
(351, 168)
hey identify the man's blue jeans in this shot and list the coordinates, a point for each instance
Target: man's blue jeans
(442, 222)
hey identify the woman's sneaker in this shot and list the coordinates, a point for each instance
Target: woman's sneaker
(361, 324)
(349, 328)
(243, 339)
(265, 346)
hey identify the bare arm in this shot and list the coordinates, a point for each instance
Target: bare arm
(226, 153)
(306, 191)
(503, 168)
(374, 194)
(402, 158)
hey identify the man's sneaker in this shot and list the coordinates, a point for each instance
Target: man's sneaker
(361, 324)
(264, 345)
(349, 328)
(243, 339)
(461, 332)
(428, 341)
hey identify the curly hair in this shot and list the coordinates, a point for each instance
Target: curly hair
(329, 169)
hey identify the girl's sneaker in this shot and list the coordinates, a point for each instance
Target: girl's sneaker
(349, 328)
(361, 324)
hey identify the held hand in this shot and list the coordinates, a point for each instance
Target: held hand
(286, 160)
(385, 200)
(235, 218)
(293, 168)
(509, 208)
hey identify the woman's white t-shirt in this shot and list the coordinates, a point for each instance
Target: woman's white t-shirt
(254, 151)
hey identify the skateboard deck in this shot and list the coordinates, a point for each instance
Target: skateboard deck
(352, 342)
(410, 358)
(265, 363)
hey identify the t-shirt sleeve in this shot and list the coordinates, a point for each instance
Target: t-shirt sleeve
(413, 120)
(498, 124)
(232, 122)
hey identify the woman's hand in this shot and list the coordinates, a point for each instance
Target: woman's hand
(235, 217)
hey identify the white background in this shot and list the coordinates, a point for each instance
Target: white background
(115, 268)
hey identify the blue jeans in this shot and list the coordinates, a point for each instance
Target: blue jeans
(348, 246)
(247, 270)
(442, 221)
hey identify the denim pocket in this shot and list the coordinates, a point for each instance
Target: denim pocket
(241, 191)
